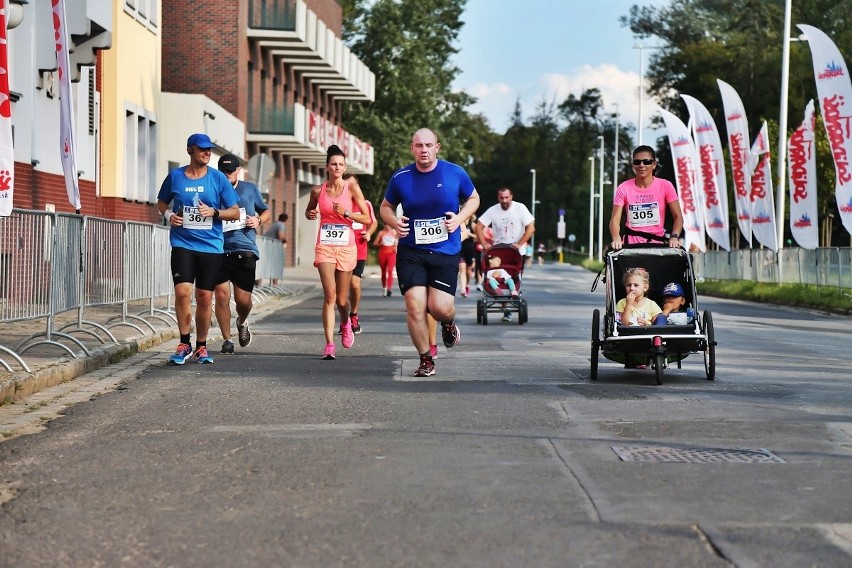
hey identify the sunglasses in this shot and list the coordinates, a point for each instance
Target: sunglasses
(643, 162)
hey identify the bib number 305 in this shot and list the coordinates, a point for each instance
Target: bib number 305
(644, 215)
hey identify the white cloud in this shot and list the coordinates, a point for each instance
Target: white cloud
(497, 101)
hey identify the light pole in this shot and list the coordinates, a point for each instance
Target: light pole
(615, 152)
(641, 49)
(591, 205)
(532, 239)
(601, 204)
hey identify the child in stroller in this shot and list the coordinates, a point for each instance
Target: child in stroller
(503, 266)
(499, 281)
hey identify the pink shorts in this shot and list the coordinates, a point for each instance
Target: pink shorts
(344, 258)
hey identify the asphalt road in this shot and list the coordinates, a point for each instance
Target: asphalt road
(273, 457)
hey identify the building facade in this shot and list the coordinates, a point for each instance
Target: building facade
(265, 79)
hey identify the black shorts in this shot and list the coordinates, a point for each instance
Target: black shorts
(239, 268)
(359, 268)
(421, 267)
(202, 268)
(468, 252)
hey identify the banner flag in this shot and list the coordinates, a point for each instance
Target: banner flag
(801, 157)
(7, 152)
(762, 199)
(834, 91)
(66, 116)
(738, 148)
(711, 171)
(685, 165)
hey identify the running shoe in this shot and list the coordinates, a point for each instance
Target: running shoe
(201, 355)
(347, 338)
(227, 347)
(426, 368)
(433, 351)
(467, 290)
(450, 334)
(507, 315)
(244, 332)
(328, 354)
(356, 325)
(184, 352)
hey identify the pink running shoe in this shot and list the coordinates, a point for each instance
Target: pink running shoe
(433, 351)
(328, 354)
(348, 337)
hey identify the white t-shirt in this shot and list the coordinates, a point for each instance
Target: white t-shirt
(508, 225)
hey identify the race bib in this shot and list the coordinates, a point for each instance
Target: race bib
(333, 234)
(237, 223)
(643, 215)
(429, 231)
(192, 219)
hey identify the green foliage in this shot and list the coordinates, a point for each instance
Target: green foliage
(825, 298)
(409, 46)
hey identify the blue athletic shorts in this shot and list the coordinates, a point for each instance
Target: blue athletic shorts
(421, 267)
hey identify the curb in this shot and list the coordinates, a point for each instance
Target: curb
(21, 384)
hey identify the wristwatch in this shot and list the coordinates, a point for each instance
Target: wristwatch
(346, 214)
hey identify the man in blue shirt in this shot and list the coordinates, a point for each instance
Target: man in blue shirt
(241, 254)
(194, 200)
(436, 197)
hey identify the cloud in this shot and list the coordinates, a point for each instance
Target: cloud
(497, 101)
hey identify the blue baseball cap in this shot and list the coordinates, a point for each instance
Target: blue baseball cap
(673, 289)
(201, 140)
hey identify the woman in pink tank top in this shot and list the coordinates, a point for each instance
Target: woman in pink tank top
(336, 203)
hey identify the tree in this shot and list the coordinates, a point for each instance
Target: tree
(409, 46)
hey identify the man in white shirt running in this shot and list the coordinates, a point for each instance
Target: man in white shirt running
(511, 222)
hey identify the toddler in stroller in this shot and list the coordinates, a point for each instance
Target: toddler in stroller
(501, 288)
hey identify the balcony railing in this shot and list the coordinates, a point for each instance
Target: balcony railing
(272, 15)
(266, 119)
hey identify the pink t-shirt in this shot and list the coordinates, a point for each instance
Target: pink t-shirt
(645, 208)
(335, 229)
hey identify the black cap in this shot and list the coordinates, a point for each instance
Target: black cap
(228, 163)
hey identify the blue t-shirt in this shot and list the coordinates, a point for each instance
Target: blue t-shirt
(242, 239)
(214, 190)
(425, 198)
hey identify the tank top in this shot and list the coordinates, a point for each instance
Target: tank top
(335, 229)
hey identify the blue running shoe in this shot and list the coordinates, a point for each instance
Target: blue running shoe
(184, 352)
(201, 355)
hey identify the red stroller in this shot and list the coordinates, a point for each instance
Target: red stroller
(505, 298)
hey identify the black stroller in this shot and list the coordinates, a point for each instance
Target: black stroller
(658, 344)
(501, 299)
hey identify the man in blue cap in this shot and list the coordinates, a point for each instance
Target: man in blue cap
(241, 255)
(194, 200)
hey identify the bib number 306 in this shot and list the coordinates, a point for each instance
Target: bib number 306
(429, 231)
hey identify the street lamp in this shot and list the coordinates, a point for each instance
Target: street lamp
(642, 49)
(601, 204)
(591, 206)
(532, 239)
(615, 151)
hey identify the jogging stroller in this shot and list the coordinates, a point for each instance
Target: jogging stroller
(506, 297)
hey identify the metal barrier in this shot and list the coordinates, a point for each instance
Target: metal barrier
(53, 263)
(819, 267)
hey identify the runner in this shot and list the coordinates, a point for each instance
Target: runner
(363, 233)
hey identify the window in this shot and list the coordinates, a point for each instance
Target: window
(145, 11)
(140, 156)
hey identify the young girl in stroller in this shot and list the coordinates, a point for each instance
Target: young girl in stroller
(503, 266)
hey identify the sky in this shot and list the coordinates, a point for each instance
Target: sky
(536, 50)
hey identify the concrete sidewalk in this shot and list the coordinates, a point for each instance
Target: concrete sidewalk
(51, 365)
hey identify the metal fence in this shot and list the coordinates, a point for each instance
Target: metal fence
(56, 263)
(818, 267)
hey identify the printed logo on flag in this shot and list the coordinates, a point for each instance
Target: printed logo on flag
(682, 141)
(832, 70)
(705, 127)
(803, 221)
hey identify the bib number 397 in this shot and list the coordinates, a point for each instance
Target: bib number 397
(192, 219)
(429, 231)
(334, 234)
